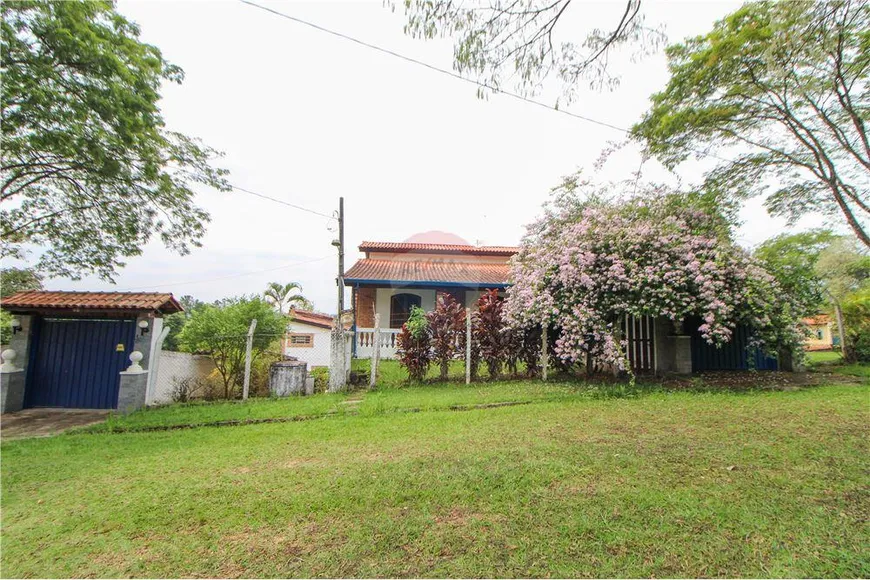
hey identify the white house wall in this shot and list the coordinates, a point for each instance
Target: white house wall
(316, 355)
(383, 295)
(427, 300)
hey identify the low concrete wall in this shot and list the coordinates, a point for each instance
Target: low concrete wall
(177, 366)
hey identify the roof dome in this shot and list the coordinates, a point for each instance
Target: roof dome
(437, 237)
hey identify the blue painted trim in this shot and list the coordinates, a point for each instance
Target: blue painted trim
(419, 283)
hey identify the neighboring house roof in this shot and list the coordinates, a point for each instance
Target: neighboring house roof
(411, 273)
(400, 247)
(312, 318)
(819, 319)
(134, 301)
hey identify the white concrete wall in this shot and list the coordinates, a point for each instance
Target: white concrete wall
(316, 355)
(175, 366)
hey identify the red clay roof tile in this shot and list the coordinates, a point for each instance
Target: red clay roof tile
(426, 271)
(165, 303)
(437, 248)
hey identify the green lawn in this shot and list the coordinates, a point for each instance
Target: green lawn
(832, 361)
(758, 483)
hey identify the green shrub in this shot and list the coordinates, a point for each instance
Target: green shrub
(321, 379)
(856, 315)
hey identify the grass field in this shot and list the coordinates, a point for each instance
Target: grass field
(827, 360)
(757, 483)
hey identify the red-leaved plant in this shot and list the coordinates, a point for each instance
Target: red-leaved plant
(489, 332)
(446, 325)
(413, 345)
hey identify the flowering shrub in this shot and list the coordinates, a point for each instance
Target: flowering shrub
(413, 345)
(446, 324)
(587, 262)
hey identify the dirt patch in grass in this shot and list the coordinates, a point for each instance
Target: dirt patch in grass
(751, 380)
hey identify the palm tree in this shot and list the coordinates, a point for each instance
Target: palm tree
(281, 295)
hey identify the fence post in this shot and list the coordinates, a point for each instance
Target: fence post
(337, 369)
(376, 353)
(248, 345)
(468, 346)
(155, 364)
(545, 356)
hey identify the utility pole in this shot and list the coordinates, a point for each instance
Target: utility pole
(340, 258)
(337, 364)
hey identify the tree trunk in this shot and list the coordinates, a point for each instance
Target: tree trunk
(444, 366)
(841, 330)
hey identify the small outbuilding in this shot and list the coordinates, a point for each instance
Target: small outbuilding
(81, 350)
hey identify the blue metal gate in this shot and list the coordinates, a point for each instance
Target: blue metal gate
(731, 356)
(75, 362)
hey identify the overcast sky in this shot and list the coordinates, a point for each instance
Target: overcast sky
(306, 117)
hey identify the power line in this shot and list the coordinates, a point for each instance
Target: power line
(239, 275)
(458, 76)
(268, 197)
(281, 201)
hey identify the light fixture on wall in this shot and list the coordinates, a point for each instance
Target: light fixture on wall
(143, 327)
(16, 325)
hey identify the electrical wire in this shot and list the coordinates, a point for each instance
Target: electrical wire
(458, 76)
(239, 275)
(281, 201)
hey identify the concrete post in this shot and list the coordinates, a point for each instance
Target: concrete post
(133, 388)
(545, 355)
(376, 353)
(11, 383)
(248, 346)
(468, 346)
(682, 349)
(13, 379)
(337, 371)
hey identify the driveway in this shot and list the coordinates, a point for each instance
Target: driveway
(45, 422)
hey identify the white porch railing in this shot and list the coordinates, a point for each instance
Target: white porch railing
(365, 342)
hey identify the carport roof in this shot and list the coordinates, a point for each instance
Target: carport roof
(127, 301)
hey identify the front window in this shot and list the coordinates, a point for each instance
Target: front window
(400, 308)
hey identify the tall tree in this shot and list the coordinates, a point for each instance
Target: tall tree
(285, 295)
(220, 330)
(89, 171)
(792, 259)
(845, 270)
(176, 322)
(780, 90)
(517, 40)
(14, 280)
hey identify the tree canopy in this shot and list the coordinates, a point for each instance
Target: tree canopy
(90, 173)
(221, 330)
(779, 93)
(593, 258)
(517, 40)
(791, 259)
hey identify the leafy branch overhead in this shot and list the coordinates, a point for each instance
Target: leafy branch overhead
(89, 170)
(517, 40)
(782, 89)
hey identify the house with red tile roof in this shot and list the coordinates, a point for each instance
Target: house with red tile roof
(821, 333)
(308, 336)
(392, 277)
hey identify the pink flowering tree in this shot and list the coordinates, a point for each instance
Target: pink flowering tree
(593, 258)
